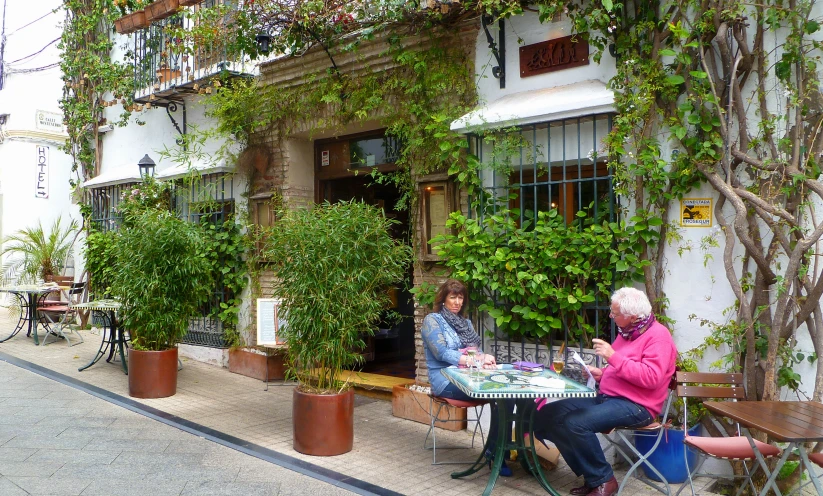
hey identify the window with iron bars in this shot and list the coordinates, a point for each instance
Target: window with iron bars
(208, 198)
(544, 166)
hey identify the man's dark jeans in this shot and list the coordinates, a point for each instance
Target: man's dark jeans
(572, 425)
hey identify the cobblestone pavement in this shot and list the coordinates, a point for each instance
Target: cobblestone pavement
(56, 439)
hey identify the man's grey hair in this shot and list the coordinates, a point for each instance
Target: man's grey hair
(632, 302)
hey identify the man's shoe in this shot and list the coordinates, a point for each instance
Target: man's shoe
(580, 491)
(608, 488)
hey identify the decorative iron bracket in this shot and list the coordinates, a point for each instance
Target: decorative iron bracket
(499, 71)
(172, 107)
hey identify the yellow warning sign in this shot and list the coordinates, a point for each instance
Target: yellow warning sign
(696, 212)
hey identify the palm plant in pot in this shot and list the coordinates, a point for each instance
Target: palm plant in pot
(332, 265)
(162, 276)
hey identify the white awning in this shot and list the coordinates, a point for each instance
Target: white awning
(548, 104)
(198, 168)
(121, 175)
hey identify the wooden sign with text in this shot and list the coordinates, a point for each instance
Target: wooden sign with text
(553, 55)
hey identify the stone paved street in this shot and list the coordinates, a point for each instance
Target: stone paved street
(78, 433)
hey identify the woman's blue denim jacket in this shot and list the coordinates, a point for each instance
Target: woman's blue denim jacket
(442, 344)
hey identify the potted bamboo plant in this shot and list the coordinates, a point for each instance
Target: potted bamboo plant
(332, 265)
(162, 276)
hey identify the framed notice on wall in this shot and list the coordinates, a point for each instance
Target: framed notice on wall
(271, 322)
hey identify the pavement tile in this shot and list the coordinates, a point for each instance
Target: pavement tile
(47, 442)
(51, 486)
(210, 488)
(74, 456)
(135, 488)
(15, 454)
(147, 445)
(9, 488)
(27, 469)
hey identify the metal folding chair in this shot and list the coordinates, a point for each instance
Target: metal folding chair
(732, 448)
(635, 458)
(436, 406)
(58, 317)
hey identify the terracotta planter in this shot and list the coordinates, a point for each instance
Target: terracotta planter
(131, 22)
(186, 3)
(414, 405)
(256, 365)
(152, 374)
(323, 424)
(160, 9)
(167, 74)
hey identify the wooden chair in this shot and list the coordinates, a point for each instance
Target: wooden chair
(436, 406)
(636, 459)
(726, 386)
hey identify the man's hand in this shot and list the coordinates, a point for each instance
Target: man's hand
(596, 372)
(602, 349)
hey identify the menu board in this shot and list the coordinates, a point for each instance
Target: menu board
(271, 322)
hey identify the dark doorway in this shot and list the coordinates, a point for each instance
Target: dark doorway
(391, 350)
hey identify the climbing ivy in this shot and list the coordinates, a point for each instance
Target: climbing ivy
(92, 80)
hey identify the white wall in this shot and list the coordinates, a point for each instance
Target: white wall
(23, 94)
(695, 282)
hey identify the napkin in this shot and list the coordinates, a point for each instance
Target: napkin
(547, 383)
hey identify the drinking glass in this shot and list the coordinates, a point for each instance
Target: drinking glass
(558, 364)
(471, 353)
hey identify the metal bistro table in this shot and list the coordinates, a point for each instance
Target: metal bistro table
(28, 295)
(793, 422)
(509, 384)
(115, 335)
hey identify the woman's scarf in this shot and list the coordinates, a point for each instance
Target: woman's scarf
(461, 326)
(636, 328)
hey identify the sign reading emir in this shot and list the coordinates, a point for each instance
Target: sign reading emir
(553, 55)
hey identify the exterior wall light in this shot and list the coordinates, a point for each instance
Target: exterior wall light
(146, 165)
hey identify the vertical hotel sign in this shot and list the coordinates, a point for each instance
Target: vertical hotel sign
(41, 182)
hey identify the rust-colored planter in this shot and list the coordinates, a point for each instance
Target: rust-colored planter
(256, 365)
(131, 22)
(323, 424)
(414, 405)
(152, 374)
(160, 9)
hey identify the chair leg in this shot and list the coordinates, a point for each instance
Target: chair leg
(664, 487)
(433, 419)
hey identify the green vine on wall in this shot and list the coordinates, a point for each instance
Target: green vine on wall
(92, 80)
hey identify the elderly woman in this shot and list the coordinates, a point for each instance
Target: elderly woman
(447, 331)
(633, 388)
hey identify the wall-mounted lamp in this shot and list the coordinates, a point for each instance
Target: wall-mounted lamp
(263, 41)
(146, 165)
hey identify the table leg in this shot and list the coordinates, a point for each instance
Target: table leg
(810, 469)
(530, 460)
(32, 311)
(771, 482)
(100, 352)
(20, 321)
(481, 460)
(121, 339)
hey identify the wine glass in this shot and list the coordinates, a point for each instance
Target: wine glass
(558, 363)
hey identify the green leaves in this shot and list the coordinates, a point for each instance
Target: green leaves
(535, 279)
(332, 266)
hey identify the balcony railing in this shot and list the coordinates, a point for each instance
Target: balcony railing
(166, 66)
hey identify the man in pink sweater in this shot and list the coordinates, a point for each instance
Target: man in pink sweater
(633, 388)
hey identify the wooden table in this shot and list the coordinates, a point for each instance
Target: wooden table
(793, 422)
(503, 385)
(115, 335)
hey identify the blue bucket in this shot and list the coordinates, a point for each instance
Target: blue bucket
(668, 458)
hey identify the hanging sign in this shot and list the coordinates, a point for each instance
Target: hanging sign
(553, 55)
(696, 212)
(271, 322)
(324, 158)
(41, 183)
